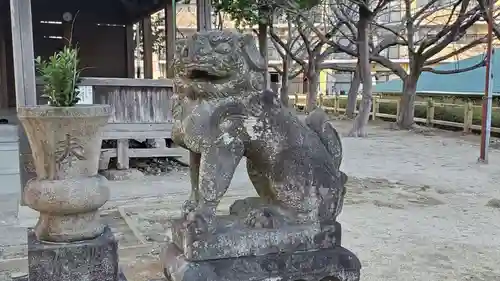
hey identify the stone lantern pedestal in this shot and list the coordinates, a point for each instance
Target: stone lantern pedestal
(69, 242)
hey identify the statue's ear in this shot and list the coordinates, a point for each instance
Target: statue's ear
(251, 52)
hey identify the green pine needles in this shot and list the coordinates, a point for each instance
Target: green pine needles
(61, 75)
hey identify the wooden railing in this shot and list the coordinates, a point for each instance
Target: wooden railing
(141, 109)
(133, 101)
(335, 106)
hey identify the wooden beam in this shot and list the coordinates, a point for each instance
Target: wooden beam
(4, 95)
(130, 131)
(23, 53)
(121, 82)
(138, 41)
(142, 152)
(24, 77)
(203, 15)
(130, 43)
(170, 30)
(147, 46)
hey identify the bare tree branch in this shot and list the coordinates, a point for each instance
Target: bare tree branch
(457, 52)
(278, 40)
(455, 71)
(337, 67)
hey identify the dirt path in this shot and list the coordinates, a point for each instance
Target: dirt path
(417, 210)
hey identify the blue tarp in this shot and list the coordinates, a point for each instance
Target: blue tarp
(465, 83)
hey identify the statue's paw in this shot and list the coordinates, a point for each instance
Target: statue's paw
(260, 218)
(196, 226)
(189, 206)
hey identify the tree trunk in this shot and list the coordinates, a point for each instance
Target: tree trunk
(312, 91)
(305, 84)
(407, 103)
(284, 83)
(263, 52)
(353, 94)
(359, 124)
(287, 63)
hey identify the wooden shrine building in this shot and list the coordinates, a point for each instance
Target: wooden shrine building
(103, 31)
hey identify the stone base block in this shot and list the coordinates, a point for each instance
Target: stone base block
(334, 264)
(89, 260)
(25, 277)
(119, 175)
(232, 237)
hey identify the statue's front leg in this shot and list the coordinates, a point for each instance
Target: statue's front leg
(218, 163)
(194, 173)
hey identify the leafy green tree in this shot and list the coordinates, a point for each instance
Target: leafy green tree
(253, 12)
(248, 13)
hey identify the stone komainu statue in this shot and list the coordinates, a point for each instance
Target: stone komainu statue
(223, 114)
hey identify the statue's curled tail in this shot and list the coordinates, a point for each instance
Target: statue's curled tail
(318, 122)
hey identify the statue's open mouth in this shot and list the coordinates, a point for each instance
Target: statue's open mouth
(203, 75)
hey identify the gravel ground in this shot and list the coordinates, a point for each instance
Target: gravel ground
(416, 209)
(427, 218)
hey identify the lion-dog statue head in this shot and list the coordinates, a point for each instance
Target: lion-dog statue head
(217, 64)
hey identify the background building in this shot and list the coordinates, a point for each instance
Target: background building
(332, 81)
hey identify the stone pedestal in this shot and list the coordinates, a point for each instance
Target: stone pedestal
(280, 248)
(337, 263)
(232, 238)
(89, 260)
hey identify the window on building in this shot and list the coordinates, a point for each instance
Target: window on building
(384, 53)
(469, 37)
(383, 16)
(427, 32)
(392, 13)
(383, 76)
(317, 15)
(446, 3)
(439, 3)
(421, 3)
(342, 82)
(393, 52)
(272, 53)
(395, 15)
(280, 19)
